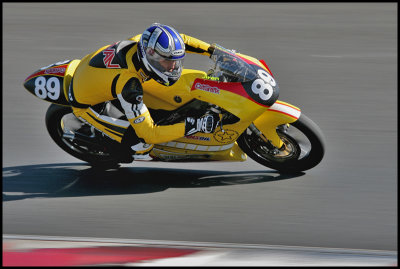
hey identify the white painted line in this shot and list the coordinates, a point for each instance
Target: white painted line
(358, 55)
(201, 244)
(202, 258)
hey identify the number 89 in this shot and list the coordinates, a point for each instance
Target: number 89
(50, 89)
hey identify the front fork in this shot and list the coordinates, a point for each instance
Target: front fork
(278, 114)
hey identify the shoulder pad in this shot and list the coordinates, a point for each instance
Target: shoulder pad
(113, 56)
(122, 48)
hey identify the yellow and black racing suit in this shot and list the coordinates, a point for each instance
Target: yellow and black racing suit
(115, 72)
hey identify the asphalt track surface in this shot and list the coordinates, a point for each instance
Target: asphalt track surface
(336, 61)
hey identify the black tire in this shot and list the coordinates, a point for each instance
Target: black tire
(54, 115)
(306, 147)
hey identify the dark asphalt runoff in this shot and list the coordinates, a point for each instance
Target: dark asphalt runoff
(336, 61)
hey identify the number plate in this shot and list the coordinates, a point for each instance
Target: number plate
(48, 83)
(264, 89)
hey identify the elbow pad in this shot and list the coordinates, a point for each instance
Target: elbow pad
(131, 99)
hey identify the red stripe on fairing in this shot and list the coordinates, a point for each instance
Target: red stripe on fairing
(295, 108)
(233, 87)
(265, 64)
(88, 256)
(46, 72)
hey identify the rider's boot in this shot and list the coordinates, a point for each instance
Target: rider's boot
(71, 123)
(141, 152)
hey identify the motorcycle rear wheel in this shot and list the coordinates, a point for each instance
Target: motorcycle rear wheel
(97, 155)
(303, 147)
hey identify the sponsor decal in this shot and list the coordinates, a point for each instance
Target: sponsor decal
(178, 52)
(226, 136)
(109, 55)
(55, 70)
(207, 88)
(211, 78)
(195, 137)
(139, 120)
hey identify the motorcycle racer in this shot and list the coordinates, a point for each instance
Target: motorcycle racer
(117, 71)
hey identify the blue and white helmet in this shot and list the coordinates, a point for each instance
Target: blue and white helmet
(162, 51)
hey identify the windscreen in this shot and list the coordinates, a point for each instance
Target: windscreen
(228, 67)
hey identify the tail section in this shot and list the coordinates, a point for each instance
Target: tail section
(50, 83)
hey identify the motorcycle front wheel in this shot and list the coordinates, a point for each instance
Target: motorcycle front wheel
(303, 146)
(97, 154)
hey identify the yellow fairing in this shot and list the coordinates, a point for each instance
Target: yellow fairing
(219, 145)
(243, 108)
(69, 73)
(175, 150)
(278, 114)
(157, 96)
(254, 60)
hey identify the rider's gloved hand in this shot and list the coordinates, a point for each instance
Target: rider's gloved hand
(205, 124)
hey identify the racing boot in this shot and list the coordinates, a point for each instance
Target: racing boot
(142, 152)
(70, 123)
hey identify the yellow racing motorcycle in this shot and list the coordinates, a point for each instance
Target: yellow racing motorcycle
(240, 88)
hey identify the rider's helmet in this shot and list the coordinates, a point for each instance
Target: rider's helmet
(161, 50)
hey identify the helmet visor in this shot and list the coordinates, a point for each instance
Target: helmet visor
(168, 66)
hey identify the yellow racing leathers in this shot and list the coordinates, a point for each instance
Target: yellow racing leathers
(114, 72)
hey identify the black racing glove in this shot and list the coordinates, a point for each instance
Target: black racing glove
(205, 124)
